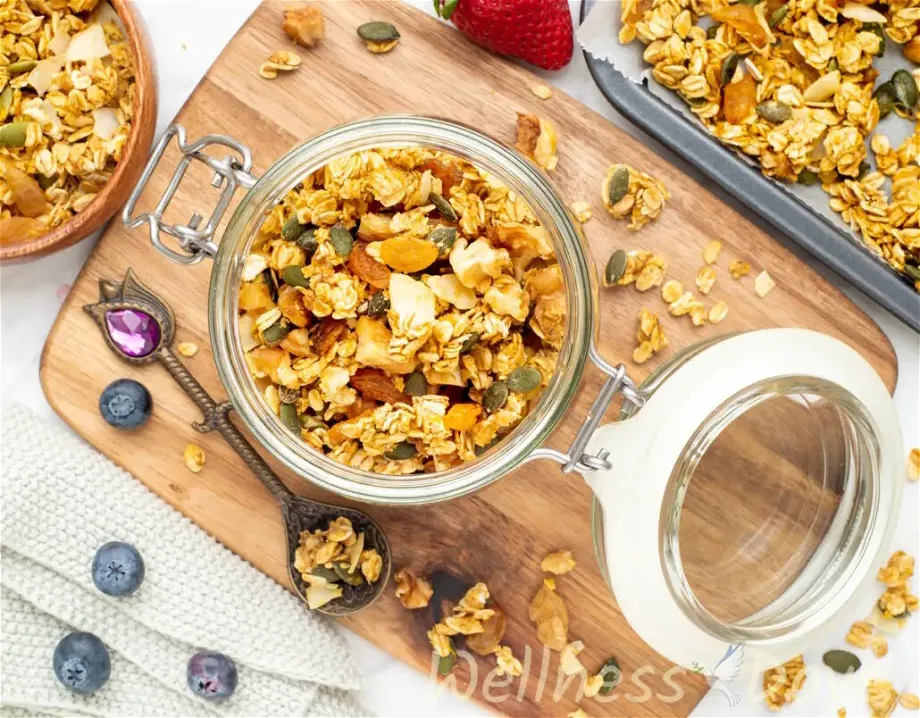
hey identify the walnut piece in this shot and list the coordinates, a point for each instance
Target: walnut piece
(411, 590)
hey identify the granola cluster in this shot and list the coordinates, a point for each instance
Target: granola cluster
(792, 84)
(326, 558)
(66, 105)
(401, 310)
(782, 683)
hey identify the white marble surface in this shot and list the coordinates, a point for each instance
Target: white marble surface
(187, 36)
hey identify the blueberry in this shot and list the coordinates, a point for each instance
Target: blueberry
(211, 675)
(118, 568)
(81, 662)
(126, 404)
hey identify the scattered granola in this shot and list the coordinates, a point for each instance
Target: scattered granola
(909, 701)
(763, 284)
(536, 138)
(913, 465)
(577, 713)
(305, 25)
(718, 312)
(879, 645)
(379, 37)
(650, 337)
(506, 663)
(558, 562)
(542, 91)
(711, 251)
(705, 279)
(793, 86)
(629, 193)
(739, 268)
(67, 89)
(568, 658)
(582, 210)
(671, 291)
(841, 713)
(882, 698)
(548, 612)
(194, 458)
(411, 590)
(860, 634)
(592, 685)
(688, 305)
(646, 265)
(279, 61)
(326, 558)
(187, 349)
(782, 683)
(391, 296)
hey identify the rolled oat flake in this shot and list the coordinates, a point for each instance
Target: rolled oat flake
(378, 31)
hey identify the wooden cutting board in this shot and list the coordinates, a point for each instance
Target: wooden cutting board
(499, 535)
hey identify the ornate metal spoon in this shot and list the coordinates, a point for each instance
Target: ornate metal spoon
(140, 327)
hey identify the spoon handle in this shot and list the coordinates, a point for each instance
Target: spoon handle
(216, 417)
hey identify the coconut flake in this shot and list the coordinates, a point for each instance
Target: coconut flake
(43, 73)
(59, 43)
(106, 123)
(105, 13)
(864, 13)
(88, 44)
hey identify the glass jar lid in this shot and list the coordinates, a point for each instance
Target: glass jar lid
(750, 496)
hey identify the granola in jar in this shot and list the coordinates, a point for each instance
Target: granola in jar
(66, 105)
(401, 310)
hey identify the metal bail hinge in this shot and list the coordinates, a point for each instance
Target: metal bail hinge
(576, 459)
(230, 172)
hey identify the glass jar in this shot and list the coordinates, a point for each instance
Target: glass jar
(802, 417)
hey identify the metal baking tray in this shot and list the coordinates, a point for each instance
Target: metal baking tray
(836, 246)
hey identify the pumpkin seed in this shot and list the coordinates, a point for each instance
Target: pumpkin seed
(288, 396)
(293, 275)
(495, 396)
(905, 89)
(616, 267)
(402, 451)
(6, 99)
(291, 228)
(378, 31)
(807, 178)
(443, 207)
(416, 384)
(774, 111)
(619, 185)
(307, 242)
(353, 578)
(864, 169)
(524, 379)
(326, 573)
(13, 134)
(471, 341)
(842, 661)
(749, 2)
(884, 95)
(276, 332)
(341, 239)
(45, 182)
(446, 663)
(777, 17)
(21, 66)
(876, 28)
(443, 238)
(289, 417)
(611, 674)
(912, 272)
(833, 65)
(696, 101)
(378, 304)
(711, 32)
(729, 65)
(269, 278)
(480, 450)
(308, 421)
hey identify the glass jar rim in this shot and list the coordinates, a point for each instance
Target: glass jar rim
(517, 173)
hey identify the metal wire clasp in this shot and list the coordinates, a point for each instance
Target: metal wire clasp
(617, 382)
(230, 172)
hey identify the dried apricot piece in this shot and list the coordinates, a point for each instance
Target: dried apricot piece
(739, 98)
(375, 384)
(368, 268)
(744, 19)
(408, 254)
(27, 195)
(449, 174)
(462, 417)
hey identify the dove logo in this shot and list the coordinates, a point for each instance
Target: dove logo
(725, 671)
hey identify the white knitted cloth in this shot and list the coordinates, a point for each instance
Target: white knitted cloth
(61, 501)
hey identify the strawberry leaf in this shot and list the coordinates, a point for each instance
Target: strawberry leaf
(448, 9)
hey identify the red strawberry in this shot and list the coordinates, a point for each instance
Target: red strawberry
(538, 31)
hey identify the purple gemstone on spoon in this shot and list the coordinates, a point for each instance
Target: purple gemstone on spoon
(134, 332)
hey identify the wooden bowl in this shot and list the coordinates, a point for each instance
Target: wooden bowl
(134, 155)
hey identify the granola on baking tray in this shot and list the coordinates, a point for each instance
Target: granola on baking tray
(66, 105)
(791, 83)
(401, 310)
